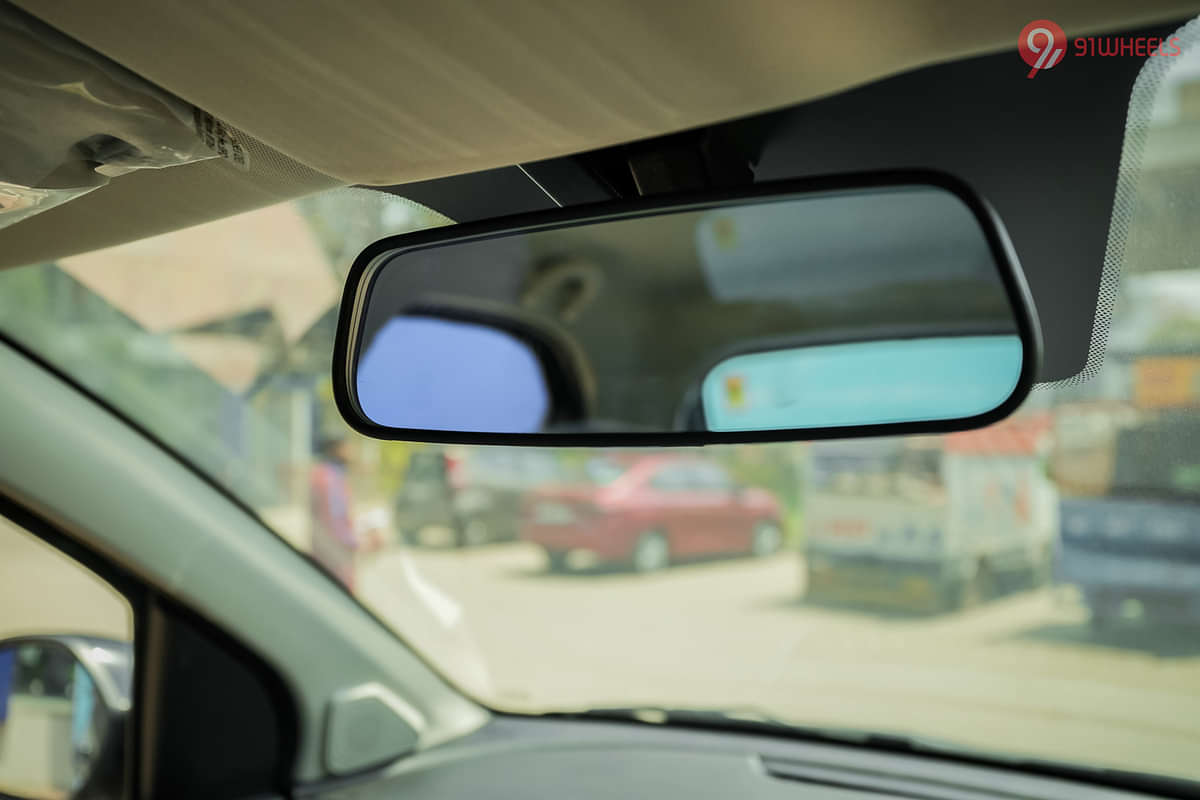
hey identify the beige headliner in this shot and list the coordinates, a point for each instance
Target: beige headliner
(385, 93)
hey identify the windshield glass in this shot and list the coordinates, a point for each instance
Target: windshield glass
(1031, 588)
(602, 471)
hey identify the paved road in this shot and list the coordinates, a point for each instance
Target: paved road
(1021, 674)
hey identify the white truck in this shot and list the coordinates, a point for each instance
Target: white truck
(933, 522)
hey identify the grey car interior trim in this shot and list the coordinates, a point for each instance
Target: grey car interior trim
(120, 494)
(390, 92)
(516, 757)
(367, 707)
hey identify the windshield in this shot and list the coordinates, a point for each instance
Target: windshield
(1031, 588)
(1164, 446)
(602, 471)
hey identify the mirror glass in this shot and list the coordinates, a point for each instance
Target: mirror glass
(836, 309)
(52, 720)
(404, 381)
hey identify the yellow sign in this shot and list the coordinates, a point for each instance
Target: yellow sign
(725, 232)
(735, 391)
(1166, 382)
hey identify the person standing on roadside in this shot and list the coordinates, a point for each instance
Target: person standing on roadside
(335, 543)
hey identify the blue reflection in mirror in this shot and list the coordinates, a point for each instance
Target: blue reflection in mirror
(449, 375)
(862, 383)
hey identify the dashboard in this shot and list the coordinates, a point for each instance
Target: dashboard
(518, 758)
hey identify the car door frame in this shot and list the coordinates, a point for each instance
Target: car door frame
(202, 558)
(121, 581)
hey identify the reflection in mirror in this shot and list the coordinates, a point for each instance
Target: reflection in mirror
(838, 384)
(845, 308)
(423, 372)
(59, 715)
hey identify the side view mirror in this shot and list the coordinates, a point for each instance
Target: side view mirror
(63, 706)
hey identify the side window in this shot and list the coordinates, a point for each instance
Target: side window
(66, 668)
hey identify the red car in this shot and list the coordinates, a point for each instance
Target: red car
(649, 512)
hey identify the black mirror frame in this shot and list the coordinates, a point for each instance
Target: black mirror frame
(365, 267)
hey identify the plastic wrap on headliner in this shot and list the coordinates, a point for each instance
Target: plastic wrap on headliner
(72, 120)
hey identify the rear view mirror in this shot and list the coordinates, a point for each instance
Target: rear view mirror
(868, 305)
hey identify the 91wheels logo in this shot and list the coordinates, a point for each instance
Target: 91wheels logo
(1042, 45)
